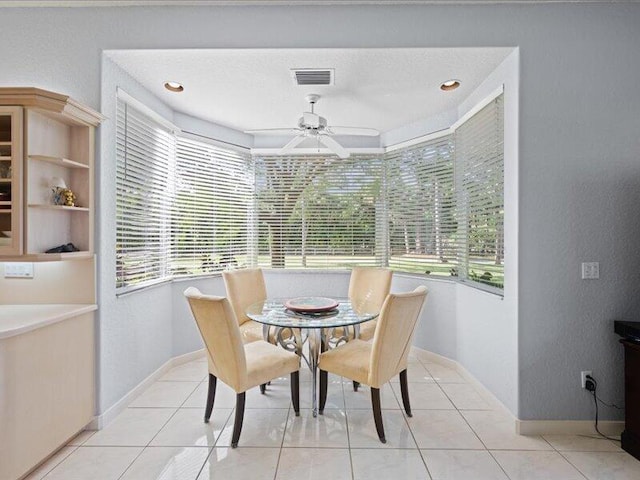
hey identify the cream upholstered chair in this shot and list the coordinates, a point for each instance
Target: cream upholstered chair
(245, 287)
(368, 288)
(239, 366)
(375, 363)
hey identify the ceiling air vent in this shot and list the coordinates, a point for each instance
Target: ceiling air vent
(313, 76)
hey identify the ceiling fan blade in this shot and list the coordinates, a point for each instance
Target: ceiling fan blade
(334, 146)
(368, 132)
(293, 143)
(274, 131)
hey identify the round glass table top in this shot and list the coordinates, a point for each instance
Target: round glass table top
(273, 312)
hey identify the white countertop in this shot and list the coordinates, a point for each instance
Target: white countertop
(17, 319)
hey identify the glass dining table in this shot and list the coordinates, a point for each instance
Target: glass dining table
(320, 331)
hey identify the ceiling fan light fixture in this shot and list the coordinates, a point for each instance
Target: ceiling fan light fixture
(175, 87)
(312, 125)
(450, 85)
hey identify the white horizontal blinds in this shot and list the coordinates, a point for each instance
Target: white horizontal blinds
(339, 214)
(213, 194)
(480, 184)
(144, 184)
(317, 212)
(421, 208)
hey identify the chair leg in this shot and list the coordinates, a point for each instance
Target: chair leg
(295, 392)
(404, 390)
(263, 388)
(324, 378)
(237, 425)
(377, 413)
(355, 385)
(211, 396)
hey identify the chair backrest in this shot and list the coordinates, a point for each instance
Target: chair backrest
(221, 334)
(394, 331)
(244, 287)
(368, 288)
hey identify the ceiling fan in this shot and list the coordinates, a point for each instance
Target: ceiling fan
(312, 125)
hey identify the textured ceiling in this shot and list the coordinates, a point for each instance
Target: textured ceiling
(251, 89)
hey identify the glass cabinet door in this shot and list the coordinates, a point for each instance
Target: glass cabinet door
(10, 180)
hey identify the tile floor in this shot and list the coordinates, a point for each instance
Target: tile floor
(454, 434)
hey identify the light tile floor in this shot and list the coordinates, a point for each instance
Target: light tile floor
(454, 434)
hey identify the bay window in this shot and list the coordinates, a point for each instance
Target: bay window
(188, 207)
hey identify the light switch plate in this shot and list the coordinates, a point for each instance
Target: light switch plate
(18, 270)
(590, 270)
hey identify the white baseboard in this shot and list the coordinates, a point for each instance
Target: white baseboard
(431, 357)
(524, 427)
(567, 427)
(483, 391)
(102, 420)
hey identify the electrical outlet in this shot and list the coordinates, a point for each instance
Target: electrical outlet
(18, 270)
(590, 270)
(583, 377)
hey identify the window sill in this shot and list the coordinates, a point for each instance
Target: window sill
(310, 271)
(497, 292)
(126, 291)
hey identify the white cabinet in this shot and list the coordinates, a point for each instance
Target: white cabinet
(46, 381)
(56, 143)
(10, 180)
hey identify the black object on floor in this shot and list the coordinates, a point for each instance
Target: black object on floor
(69, 247)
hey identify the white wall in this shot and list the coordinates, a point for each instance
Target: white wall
(579, 163)
(436, 329)
(487, 333)
(134, 331)
(422, 127)
(482, 331)
(189, 124)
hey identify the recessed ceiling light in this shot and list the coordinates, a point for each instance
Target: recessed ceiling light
(450, 85)
(173, 86)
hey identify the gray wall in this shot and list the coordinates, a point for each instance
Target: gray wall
(578, 151)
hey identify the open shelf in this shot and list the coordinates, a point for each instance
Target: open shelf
(58, 207)
(65, 162)
(46, 137)
(48, 257)
(5, 202)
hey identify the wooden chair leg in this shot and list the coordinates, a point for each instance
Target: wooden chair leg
(324, 378)
(295, 392)
(355, 385)
(263, 388)
(404, 390)
(211, 396)
(377, 413)
(237, 425)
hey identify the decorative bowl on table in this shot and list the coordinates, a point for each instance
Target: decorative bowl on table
(311, 304)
